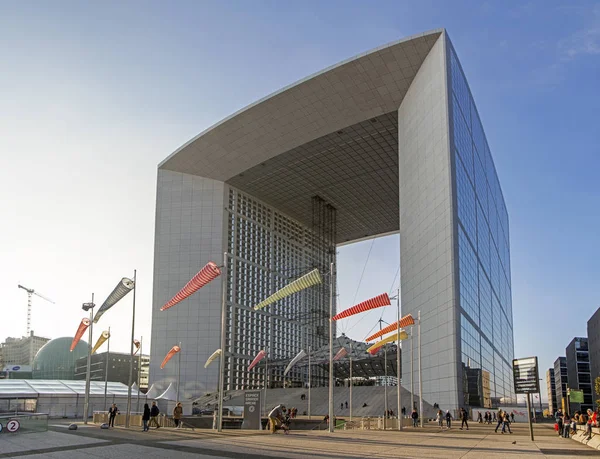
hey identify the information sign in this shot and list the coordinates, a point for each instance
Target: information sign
(526, 376)
(252, 404)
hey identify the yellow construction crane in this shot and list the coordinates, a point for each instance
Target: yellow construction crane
(30, 293)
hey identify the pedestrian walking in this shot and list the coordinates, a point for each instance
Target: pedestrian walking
(112, 413)
(512, 417)
(177, 414)
(440, 419)
(154, 416)
(464, 418)
(415, 417)
(146, 417)
(448, 419)
(566, 425)
(499, 419)
(506, 423)
(479, 417)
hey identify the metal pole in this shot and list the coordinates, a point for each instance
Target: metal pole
(331, 415)
(178, 371)
(529, 417)
(398, 370)
(385, 401)
(412, 370)
(266, 381)
(139, 378)
(309, 380)
(130, 379)
(106, 370)
(222, 359)
(420, 373)
(89, 365)
(351, 383)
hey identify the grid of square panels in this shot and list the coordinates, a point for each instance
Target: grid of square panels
(269, 250)
(354, 169)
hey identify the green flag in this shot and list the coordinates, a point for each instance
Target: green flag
(576, 396)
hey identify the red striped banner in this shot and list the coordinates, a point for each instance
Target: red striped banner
(378, 301)
(210, 272)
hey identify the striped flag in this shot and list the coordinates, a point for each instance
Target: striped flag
(404, 322)
(378, 301)
(304, 282)
(210, 272)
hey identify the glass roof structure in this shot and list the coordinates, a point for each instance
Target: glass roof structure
(24, 388)
(363, 364)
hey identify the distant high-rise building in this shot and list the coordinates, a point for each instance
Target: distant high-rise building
(21, 351)
(578, 371)
(118, 368)
(560, 382)
(552, 404)
(593, 334)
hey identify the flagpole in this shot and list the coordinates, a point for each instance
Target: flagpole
(106, 370)
(331, 416)
(351, 382)
(309, 380)
(398, 370)
(130, 380)
(420, 372)
(412, 371)
(139, 378)
(222, 359)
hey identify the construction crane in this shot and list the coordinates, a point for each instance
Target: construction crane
(30, 293)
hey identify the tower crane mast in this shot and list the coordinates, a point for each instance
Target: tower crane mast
(30, 293)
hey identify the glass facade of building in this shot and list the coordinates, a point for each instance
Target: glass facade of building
(268, 251)
(486, 320)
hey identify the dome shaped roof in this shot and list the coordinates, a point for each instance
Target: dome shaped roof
(55, 361)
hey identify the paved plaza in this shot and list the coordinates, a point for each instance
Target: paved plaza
(481, 441)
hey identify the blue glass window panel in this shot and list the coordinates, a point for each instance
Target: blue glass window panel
(493, 221)
(481, 185)
(466, 201)
(462, 140)
(470, 341)
(495, 274)
(459, 87)
(497, 323)
(467, 263)
(477, 130)
(485, 305)
(483, 240)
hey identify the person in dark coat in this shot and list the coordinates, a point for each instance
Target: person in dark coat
(112, 413)
(464, 418)
(146, 417)
(154, 415)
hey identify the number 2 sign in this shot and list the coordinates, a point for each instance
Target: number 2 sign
(13, 425)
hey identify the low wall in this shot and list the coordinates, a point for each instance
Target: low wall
(582, 437)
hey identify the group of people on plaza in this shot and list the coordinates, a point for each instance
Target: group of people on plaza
(566, 425)
(149, 416)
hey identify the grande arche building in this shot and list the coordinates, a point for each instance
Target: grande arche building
(387, 142)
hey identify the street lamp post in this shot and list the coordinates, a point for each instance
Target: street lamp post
(88, 307)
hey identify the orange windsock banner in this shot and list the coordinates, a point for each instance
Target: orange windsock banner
(210, 272)
(85, 323)
(103, 337)
(137, 344)
(404, 322)
(261, 355)
(377, 302)
(174, 350)
(389, 339)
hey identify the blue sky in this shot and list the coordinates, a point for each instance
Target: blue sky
(97, 94)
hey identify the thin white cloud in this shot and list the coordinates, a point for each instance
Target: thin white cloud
(585, 41)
